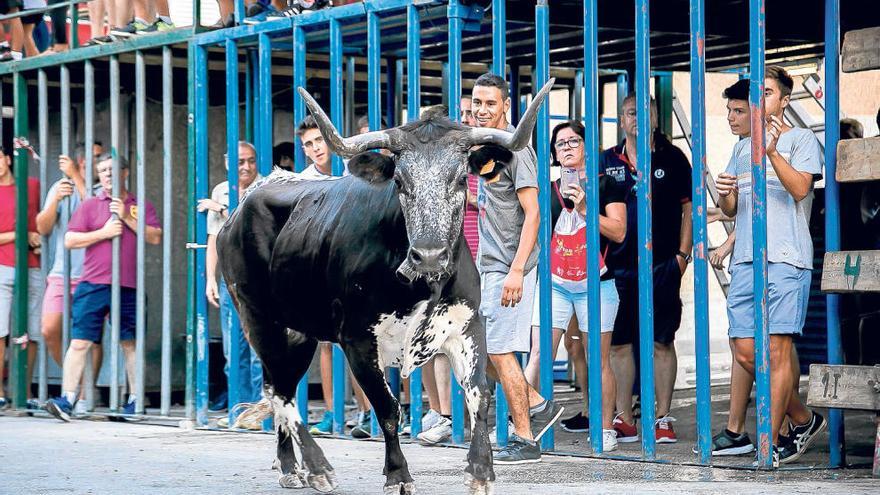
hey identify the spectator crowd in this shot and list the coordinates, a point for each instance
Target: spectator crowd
(501, 225)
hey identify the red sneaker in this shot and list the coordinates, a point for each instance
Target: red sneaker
(663, 431)
(626, 433)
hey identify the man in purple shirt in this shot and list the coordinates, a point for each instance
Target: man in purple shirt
(93, 227)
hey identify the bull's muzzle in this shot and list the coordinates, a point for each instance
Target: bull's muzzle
(429, 258)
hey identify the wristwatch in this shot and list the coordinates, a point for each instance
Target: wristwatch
(686, 257)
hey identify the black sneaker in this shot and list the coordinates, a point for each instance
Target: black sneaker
(800, 437)
(576, 424)
(518, 451)
(728, 443)
(544, 420)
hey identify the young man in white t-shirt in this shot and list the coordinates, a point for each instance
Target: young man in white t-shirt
(795, 164)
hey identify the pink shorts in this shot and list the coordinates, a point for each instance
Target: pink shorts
(53, 298)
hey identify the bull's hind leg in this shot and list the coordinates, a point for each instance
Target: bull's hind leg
(467, 355)
(286, 356)
(363, 360)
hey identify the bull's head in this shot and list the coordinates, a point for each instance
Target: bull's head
(429, 168)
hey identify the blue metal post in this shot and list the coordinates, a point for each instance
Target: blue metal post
(413, 90)
(239, 11)
(339, 370)
(232, 122)
(454, 96)
(499, 37)
(515, 109)
(592, 121)
(542, 75)
(299, 81)
(646, 254)
(254, 76)
(701, 252)
(759, 232)
(264, 148)
(200, 117)
(249, 100)
(832, 211)
(374, 108)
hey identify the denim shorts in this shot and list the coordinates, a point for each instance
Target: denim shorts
(91, 305)
(566, 303)
(788, 292)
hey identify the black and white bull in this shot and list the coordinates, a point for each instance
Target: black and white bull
(376, 263)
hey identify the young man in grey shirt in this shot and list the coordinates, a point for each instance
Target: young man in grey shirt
(508, 226)
(795, 164)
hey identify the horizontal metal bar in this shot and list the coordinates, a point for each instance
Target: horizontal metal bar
(40, 10)
(132, 44)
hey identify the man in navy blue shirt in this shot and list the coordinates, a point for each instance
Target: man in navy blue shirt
(672, 239)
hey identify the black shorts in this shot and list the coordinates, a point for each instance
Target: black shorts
(7, 5)
(32, 19)
(667, 306)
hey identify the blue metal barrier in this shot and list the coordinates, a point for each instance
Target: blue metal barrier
(646, 255)
(759, 232)
(591, 191)
(701, 252)
(542, 148)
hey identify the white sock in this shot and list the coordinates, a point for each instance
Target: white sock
(70, 396)
(165, 18)
(131, 398)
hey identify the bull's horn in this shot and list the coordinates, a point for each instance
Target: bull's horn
(348, 147)
(519, 139)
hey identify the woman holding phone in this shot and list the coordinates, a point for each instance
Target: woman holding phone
(568, 260)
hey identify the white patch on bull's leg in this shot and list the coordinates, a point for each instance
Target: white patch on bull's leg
(287, 418)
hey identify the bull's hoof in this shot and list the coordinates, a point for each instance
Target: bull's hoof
(401, 488)
(478, 487)
(292, 480)
(324, 483)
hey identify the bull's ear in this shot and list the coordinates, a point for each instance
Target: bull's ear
(488, 161)
(371, 166)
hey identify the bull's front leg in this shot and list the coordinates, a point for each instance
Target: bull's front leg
(363, 359)
(467, 355)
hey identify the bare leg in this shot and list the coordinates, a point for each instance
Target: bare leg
(30, 48)
(128, 350)
(360, 398)
(578, 360)
(798, 413)
(609, 385)
(665, 369)
(533, 367)
(96, 17)
(430, 384)
(516, 389)
(74, 364)
(740, 391)
(326, 361)
(781, 380)
(444, 384)
(2, 365)
(625, 373)
(143, 11)
(51, 331)
(16, 31)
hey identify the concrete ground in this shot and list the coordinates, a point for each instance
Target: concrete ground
(41, 455)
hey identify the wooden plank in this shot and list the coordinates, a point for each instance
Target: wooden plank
(858, 160)
(851, 271)
(861, 50)
(844, 387)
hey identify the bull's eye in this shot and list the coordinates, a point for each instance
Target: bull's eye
(399, 185)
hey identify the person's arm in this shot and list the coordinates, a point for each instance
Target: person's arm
(612, 224)
(211, 290)
(716, 259)
(728, 193)
(511, 294)
(686, 236)
(797, 183)
(7, 237)
(48, 216)
(75, 240)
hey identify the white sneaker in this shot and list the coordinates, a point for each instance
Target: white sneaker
(430, 419)
(354, 419)
(79, 409)
(440, 432)
(609, 440)
(493, 433)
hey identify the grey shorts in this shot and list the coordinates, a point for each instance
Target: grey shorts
(507, 329)
(35, 301)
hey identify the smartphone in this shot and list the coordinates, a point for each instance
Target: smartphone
(569, 176)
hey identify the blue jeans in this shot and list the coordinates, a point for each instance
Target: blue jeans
(250, 369)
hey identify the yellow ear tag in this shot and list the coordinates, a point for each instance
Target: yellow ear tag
(133, 211)
(488, 168)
